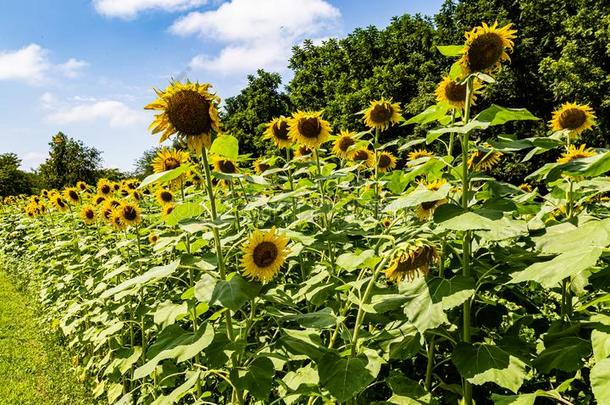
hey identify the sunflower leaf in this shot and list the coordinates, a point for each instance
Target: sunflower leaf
(450, 50)
(226, 146)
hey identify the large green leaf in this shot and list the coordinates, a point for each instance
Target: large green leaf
(600, 381)
(324, 318)
(565, 353)
(344, 377)
(150, 276)
(164, 176)
(420, 195)
(167, 312)
(558, 238)
(180, 391)
(600, 341)
(450, 50)
(226, 146)
(432, 113)
(235, 292)
(304, 342)
(363, 259)
(406, 391)
(586, 167)
(483, 363)
(497, 115)
(257, 378)
(184, 211)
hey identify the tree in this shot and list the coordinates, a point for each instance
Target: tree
(13, 181)
(69, 161)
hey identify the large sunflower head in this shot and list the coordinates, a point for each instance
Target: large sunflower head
(573, 153)
(224, 165)
(483, 159)
(264, 254)
(104, 187)
(71, 194)
(386, 162)
(419, 153)
(168, 159)
(188, 110)
(164, 196)
(87, 214)
(130, 213)
(574, 118)
(261, 166)
(342, 145)
(486, 47)
(381, 114)
(454, 93)
(308, 128)
(413, 260)
(277, 131)
(364, 158)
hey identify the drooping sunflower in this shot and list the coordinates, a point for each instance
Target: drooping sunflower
(308, 128)
(364, 157)
(261, 166)
(164, 196)
(264, 254)
(188, 110)
(341, 147)
(486, 48)
(419, 153)
(425, 210)
(573, 153)
(454, 93)
(386, 162)
(104, 187)
(87, 213)
(412, 261)
(483, 159)
(168, 159)
(573, 117)
(71, 194)
(130, 213)
(277, 131)
(303, 152)
(381, 114)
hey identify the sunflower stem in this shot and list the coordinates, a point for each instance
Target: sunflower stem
(430, 364)
(451, 134)
(291, 184)
(376, 147)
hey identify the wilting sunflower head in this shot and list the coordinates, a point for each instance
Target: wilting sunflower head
(364, 157)
(303, 152)
(168, 159)
(342, 145)
(419, 153)
(308, 128)
(573, 153)
(453, 92)
(386, 162)
(153, 238)
(575, 118)
(486, 48)
(483, 159)
(277, 131)
(264, 254)
(164, 196)
(223, 165)
(71, 194)
(382, 114)
(104, 187)
(87, 214)
(188, 110)
(261, 166)
(130, 213)
(412, 261)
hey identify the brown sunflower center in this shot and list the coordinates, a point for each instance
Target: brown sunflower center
(105, 189)
(89, 214)
(263, 167)
(60, 203)
(384, 161)
(169, 210)
(455, 92)
(280, 130)
(304, 151)
(226, 166)
(264, 254)
(171, 163)
(189, 112)
(107, 212)
(428, 205)
(361, 155)
(310, 127)
(381, 113)
(73, 195)
(166, 196)
(82, 186)
(345, 142)
(485, 51)
(572, 118)
(130, 213)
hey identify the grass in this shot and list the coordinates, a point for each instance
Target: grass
(33, 370)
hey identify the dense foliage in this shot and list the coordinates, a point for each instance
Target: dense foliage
(13, 181)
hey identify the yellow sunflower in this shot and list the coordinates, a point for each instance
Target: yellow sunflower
(573, 153)
(308, 128)
(412, 261)
(526, 187)
(386, 162)
(99, 199)
(164, 196)
(261, 166)
(106, 211)
(130, 213)
(104, 187)
(82, 186)
(87, 213)
(425, 210)
(116, 220)
(59, 203)
(136, 195)
(341, 148)
(483, 159)
(223, 165)
(167, 209)
(419, 153)
(303, 153)
(264, 254)
(382, 114)
(575, 118)
(188, 110)
(71, 194)
(486, 48)
(168, 159)
(364, 157)
(454, 93)
(153, 238)
(277, 131)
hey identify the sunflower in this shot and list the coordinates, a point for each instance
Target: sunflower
(303, 152)
(130, 213)
(574, 118)
(116, 219)
(341, 148)
(573, 153)
(454, 93)
(264, 254)
(483, 159)
(82, 186)
(87, 213)
(106, 211)
(308, 128)
(526, 187)
(59, 203)
(168, 159)
(412, 261)
(164, 196)
(167, 209)
(419, 153)
(136, 195)
(486, 46)
(426, 209)
(382, 114)
(277, 131)
(188, 110)
(260, 166)
(364, 157)
(386, 222)
(153, 238)
(71, 194)
(223, 165)
(104, 187)
(386, 162)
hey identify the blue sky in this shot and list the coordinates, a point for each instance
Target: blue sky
(87, 67)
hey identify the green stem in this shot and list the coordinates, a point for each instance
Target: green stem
(291, 183)
(430, 364)
(376, 185)
(451, 134)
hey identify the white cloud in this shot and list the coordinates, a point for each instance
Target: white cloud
(258, 34)
(33, 159)
(29, 64)
(115, 113)
(131, 8)
(48, 100)
(72, 67)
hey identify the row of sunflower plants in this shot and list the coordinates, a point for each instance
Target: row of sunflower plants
(364, 271)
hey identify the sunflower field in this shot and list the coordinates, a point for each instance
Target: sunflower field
(341, 268)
